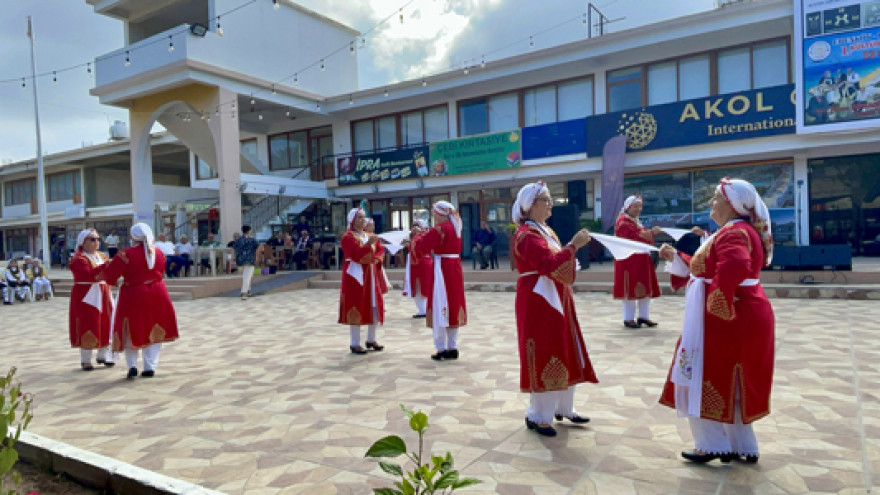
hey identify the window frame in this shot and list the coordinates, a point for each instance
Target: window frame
(10, 194)
(76, 192)
(309, 158)
(398, 129)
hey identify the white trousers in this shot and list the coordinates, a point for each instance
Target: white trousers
(151, 355)
(247, 273)
(445, 338)
(41, 286)
(722, 438)
(85, 355)
(421, 304)
(20, 291)
(629, 309)
(544, 405)
(355, 331)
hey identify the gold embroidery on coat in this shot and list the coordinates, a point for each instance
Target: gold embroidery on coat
(716, 305)
(88, 340)
(639, 292)
(157, 334)
(123, 256)
(530, 363)
(564, 273)
(712, 406)
(555, 375)
(367, 259)
(353, 317)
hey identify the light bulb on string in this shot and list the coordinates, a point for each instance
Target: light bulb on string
(401, 15)
(89, 69)
(260, 116)
(585, 19)
(531, 42)
(170, 44)
(424, 83)
(322, 64)
(275, 4)
(274, 91)
(351, 48)
(54, 78)
(202, 115)
(363, 41)
(219, 29)
(350, 100)
(386, 92)
(483, 62)
(252, 100)
(466, 70)
(287, 113)
(127, 59)
(22, 83)
(295, 79)
(318, 105)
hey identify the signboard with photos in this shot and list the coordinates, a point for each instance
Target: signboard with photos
(410, 163)
(837, 55)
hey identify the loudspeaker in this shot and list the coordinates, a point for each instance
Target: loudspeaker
(785, 257)
(565, 222)
(836, 256)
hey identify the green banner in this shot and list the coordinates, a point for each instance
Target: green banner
(475, 154)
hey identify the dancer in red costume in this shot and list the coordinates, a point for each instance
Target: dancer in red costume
(144, 314)
(552, 354)
(360, 297)
(419, 269)
(635, 280)
(446, 305)
(722, 368)
(91, 305)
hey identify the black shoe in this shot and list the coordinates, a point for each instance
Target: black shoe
(132, 372)
(100, 361)
(450, 354)
(148, 373)
(357, 350)
(751, 459)
(109, 364)
(693, 456)
(647, 322)
(87, 366)
(419, 316)
(547, 431)
(375, 346)
(439, 356)
(631, 324)
(483, 267)
(577, 419)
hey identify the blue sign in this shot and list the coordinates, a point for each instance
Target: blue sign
(410, 163)
(735, 116)
(556, 139)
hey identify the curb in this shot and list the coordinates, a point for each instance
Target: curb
(100, 472)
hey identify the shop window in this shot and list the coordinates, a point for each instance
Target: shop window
(411, 128)
(662, 82)
(436, 124)
(405, 129)
(291, 150)
(386, 133)
(767, 70)
(472, 117)
(693, 78)
(539, 105)
(575, 99)
(503, 112)
(624, 89)
(64, 187)
(732, 73)
(363, 136)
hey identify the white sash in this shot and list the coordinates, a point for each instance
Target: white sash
(545, 288)
(440, 303)
(93, 296)
(687, 371)
(355, 270)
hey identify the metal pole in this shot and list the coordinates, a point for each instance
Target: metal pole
(589, 20)
(41, 179)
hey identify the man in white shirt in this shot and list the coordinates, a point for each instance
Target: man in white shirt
(185, 251)
(173, 263)
(112, 243)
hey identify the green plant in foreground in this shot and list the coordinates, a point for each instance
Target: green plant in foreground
(10, 400)
(420, 480)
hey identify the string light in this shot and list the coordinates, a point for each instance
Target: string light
(424, 83)
(322, 65)
(252, 100)
(260, 116)
(274, 92)
(401, 15)
(295, 79)
(54, 78)
(386, 92)
(483, 62)
(531, 42)
(127, 59)
(363, 41)
(351, 48)
(275, 4)
(287, 113)
(22, 83)
(350, 100)
(318, 105)
(219, 29)
(170, 44)
(466, 70)
(89, 69)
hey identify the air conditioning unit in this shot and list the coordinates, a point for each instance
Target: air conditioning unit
(118, 131)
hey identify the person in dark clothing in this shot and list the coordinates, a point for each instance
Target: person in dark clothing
(301, 253)
(302, 225)
(483, 241)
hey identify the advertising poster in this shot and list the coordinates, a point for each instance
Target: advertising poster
(838, 64)
(497, 151)
(410, 163)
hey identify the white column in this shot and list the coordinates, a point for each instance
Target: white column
(226, 143)
(142, 197)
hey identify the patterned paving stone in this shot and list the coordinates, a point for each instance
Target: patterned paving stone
(263, 397)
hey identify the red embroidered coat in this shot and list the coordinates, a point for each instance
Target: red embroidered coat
(552, 353)
(355, 300)
(739, 334)
(634, 277)
(143, 307)
(442, 240)
(421, 270)
(89, 328)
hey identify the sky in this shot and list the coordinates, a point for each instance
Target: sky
(435, 36)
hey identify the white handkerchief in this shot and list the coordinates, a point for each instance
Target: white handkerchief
(622, 248)
(356, 271)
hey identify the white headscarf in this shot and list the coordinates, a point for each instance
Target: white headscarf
(446, 209)
(142, 232)
(352, 214)
(746, 202)
(629, 202)
(525, 198)
(81, 238)
(421, 223)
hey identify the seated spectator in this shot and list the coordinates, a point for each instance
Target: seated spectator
(16, 283)
(276, 241)
(302, 225)
(483, 241)
(173, 262)
(303, 247)
(185, 250)
(39, 278)
(205, 258)
(230, 259)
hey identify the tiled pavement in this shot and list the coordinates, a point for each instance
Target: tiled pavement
(263, 397)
